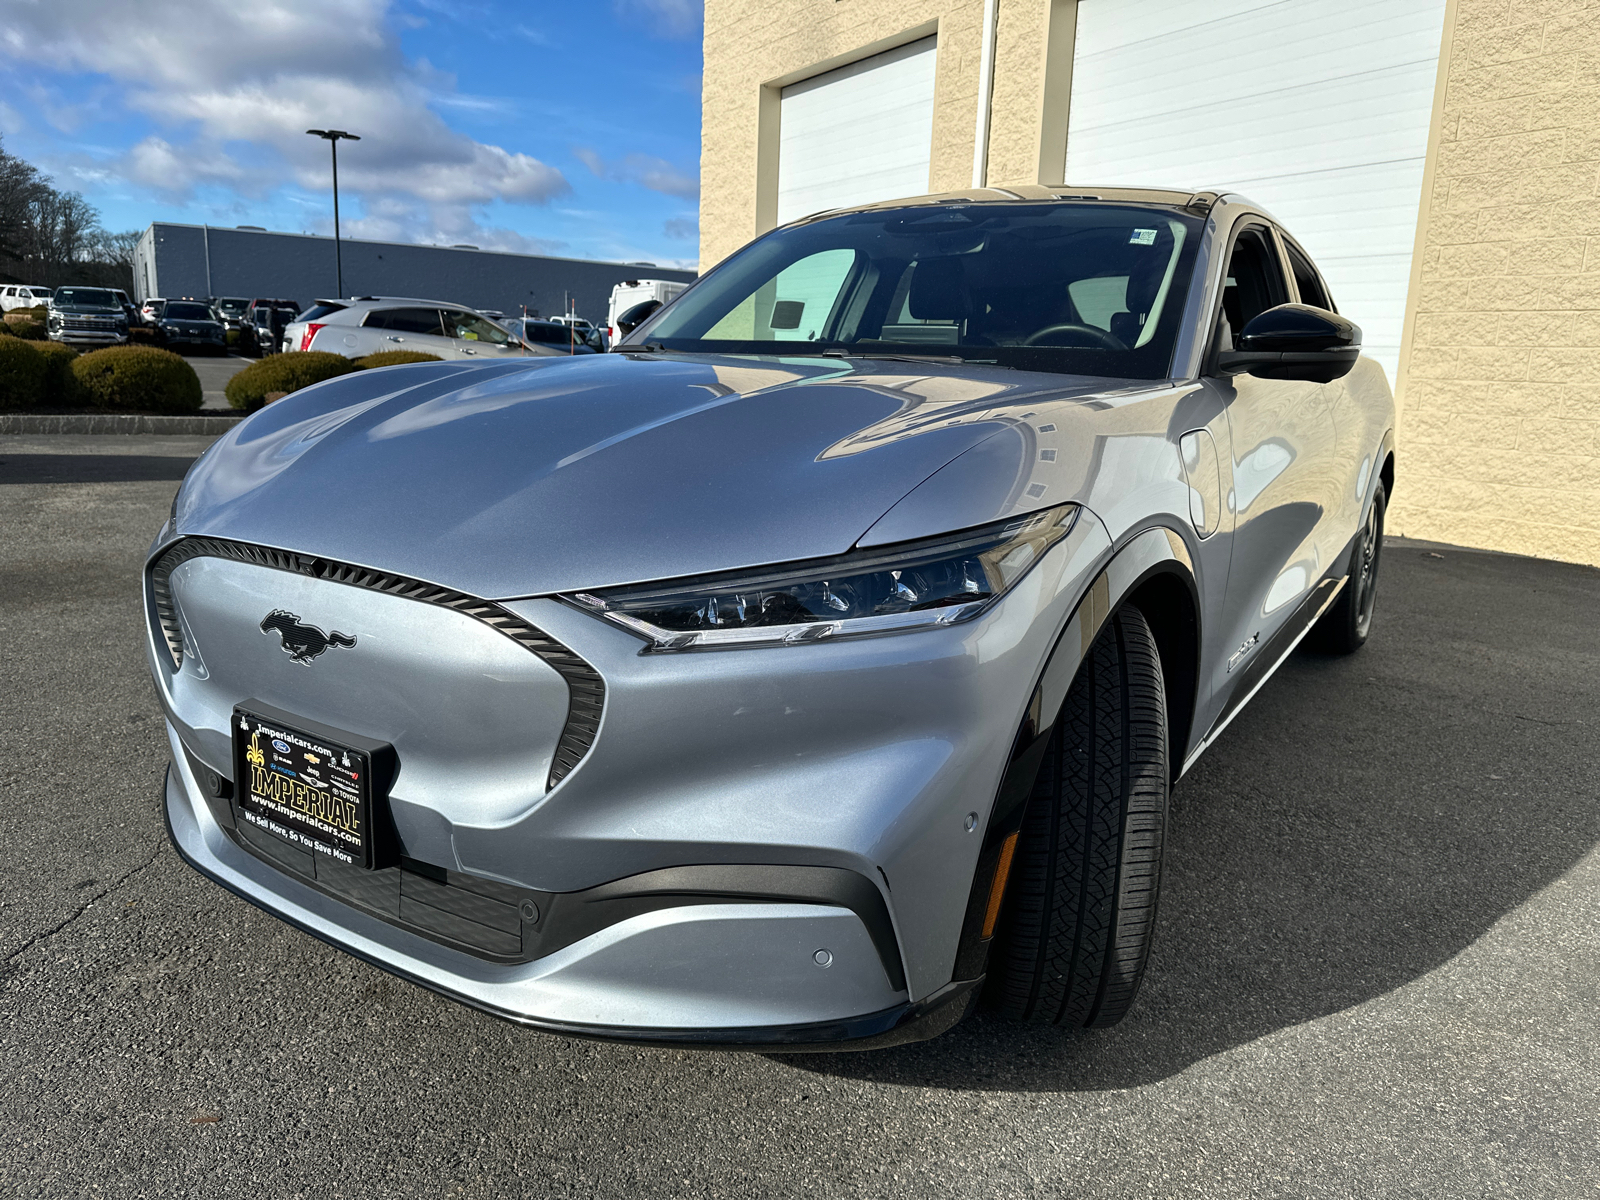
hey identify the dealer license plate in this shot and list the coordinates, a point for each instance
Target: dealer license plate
(312, 791)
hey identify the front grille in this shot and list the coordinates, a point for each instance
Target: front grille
(586, 691)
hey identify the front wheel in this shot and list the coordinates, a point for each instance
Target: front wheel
(1081, 908)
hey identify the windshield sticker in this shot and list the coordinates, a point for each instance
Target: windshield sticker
(1142, 237)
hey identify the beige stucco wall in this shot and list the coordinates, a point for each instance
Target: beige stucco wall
(754, 47)
(1499, 442)
(1499, 382)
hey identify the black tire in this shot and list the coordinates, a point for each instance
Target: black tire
(1081, 904)
(1343, 629)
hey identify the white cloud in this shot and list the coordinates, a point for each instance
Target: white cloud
(646, 170)
(397, 221)
(670, 18)
(262, 73)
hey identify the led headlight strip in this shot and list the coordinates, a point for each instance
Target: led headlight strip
(914, 585)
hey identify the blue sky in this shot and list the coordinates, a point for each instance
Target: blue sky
(564, 128)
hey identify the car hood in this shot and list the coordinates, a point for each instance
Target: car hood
(546, 475)
(114, 310)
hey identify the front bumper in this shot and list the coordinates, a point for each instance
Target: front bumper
(586, 989)
(89, 337)
(869, 759)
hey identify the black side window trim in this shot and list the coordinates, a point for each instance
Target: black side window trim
(1259, 224)
(1291, 248)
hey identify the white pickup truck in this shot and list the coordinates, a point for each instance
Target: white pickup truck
(634, 292)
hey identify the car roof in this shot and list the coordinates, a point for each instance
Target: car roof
(1199, 202)
(399, 300)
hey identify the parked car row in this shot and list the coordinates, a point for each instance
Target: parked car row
(371, 324)
(355, 327)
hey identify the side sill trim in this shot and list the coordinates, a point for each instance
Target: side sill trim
(1315, 605)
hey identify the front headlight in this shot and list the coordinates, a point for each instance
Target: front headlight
(915, 585)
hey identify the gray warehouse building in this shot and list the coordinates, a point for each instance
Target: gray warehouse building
(205, 260)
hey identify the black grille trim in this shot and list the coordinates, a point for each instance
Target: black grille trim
(586, 691)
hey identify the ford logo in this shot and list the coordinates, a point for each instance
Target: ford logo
(280, 747)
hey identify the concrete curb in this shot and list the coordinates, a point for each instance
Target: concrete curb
(113, 423)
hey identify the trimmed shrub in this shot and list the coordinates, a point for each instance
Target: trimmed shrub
(138, 379)
(393, 358)
(60, 387)
(26, 328)
(283, 373)
(22, 370)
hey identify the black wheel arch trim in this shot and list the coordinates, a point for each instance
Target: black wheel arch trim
(1165, 555)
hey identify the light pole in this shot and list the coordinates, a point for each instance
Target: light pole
(332, 136)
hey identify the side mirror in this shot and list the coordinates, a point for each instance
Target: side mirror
(1294, 341)
(634, 317)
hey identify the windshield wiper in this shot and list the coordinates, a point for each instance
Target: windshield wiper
(893, 357)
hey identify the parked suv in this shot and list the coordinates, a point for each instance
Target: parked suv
(23, 296)
(88, 315)
(230, 310)
(191, 323)
(129, 308)
(264, 322)
(543, 336)
(372, 323)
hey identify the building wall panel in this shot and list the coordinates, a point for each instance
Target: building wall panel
(1500, 390)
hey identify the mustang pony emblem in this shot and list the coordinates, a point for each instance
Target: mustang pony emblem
(302, 642)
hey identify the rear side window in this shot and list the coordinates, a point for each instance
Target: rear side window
(548, 334)
(1305, 276)
(406, 320)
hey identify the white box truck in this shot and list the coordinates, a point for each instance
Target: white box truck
(633, 292)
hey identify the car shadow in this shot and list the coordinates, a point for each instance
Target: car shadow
(1362, 822)
(91, 468)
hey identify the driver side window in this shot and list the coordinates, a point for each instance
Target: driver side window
(1255, 283)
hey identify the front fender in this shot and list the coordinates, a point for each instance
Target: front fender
(1155, 552)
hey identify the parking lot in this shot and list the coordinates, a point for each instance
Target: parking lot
(1377, 971)
(214, 372)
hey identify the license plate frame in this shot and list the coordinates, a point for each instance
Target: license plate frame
(321, 789)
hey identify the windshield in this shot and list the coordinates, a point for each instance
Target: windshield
(187, 312)
(88, 297)
(1090, 289)
(232, 307)
(473, 328)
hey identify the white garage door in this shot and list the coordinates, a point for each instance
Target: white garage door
(1317, 111)
(858, 134)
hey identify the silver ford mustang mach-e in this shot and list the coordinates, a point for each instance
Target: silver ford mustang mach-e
(814, 665)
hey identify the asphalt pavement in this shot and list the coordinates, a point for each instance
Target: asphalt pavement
(215, 370)
(1376, 971)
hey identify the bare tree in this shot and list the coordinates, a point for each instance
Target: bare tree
(21, 188)
(54, 237)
